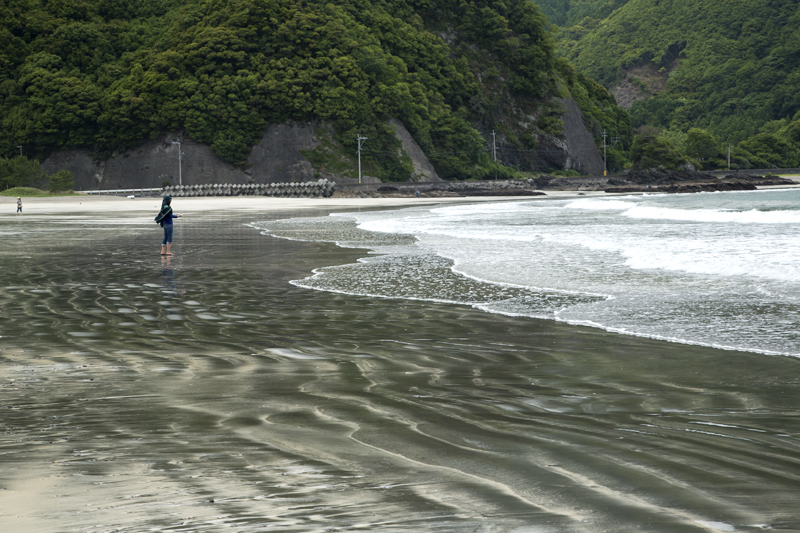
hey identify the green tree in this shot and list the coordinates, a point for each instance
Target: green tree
(767, 150)
(700, 144)
(63, 180)
(20, 171)
(653, 152)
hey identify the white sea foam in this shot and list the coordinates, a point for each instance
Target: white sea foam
(751, 216)
(707, 262)
(717, 270)
(599, 204)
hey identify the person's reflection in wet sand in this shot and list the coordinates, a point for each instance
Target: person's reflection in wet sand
(168, 274)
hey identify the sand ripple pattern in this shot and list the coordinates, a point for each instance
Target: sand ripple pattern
(209, 394)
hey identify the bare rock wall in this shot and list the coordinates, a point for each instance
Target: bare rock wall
(423, 170)
(277, 158)
(583, 155)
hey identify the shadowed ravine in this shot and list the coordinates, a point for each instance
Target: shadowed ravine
(209, 394)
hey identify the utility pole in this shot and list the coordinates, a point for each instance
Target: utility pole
(180, 161)
(729, 156)
(494, 152)
(605, 156)
(360, 140)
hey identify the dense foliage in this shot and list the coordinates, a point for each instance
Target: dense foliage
(63, 180)
(106, 75)
(20, 171)
(651, 150)
(572, 12)
(730, 68)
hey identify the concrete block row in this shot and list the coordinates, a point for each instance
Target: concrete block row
(321, 188)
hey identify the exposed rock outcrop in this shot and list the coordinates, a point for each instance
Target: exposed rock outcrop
(657, 176)
(583, 183)
(276, 158)
(423, 170)
(148, 165)
(446, 189)
(686, 181)
(640, 82)
(582, 152)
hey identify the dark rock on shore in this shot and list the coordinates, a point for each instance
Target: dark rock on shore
(582, 183)
(659, 180)
(650, 180)
(506, 192)
(447, 189)
(685, 187)
(659, 176)
(758, 180)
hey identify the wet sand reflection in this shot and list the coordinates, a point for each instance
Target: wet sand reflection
(204, 393)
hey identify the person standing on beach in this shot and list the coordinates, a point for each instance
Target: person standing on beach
(164, 218)
(19, 204)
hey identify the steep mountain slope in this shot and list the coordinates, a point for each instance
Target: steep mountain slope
(572, 12)
(108, 75)
(732, 68)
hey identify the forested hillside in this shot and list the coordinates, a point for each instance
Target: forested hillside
(572, 12)
(108, 74)
(730, 70)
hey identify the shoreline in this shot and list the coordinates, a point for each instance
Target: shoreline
(70, 208)
(102, 203)
(368, 251)
(58, 205)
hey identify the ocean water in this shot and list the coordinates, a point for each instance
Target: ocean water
(718, 269)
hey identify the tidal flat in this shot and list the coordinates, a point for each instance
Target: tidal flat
(206, 393)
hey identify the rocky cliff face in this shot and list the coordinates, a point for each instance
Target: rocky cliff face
(149, 165)
(582, 153)
(423, 170)
(277, 158)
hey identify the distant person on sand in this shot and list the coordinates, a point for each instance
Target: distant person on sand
(164, 218)
(19, 205)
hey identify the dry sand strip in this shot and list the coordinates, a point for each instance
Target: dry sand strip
(79, 203)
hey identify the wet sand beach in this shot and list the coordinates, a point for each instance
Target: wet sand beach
(203, 392)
